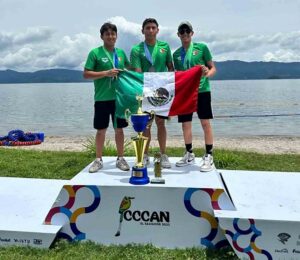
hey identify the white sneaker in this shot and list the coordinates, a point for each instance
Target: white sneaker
(187, 159)
(96, 165)
(208, 163)
(146, 160)
(201, 161)
(165, 163)
(122, 164)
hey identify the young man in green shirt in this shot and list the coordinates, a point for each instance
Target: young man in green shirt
(152, 55)
(103, 65)
(185, 57)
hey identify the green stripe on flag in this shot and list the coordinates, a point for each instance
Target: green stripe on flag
(130, 85)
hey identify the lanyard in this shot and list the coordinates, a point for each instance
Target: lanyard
(149, 57)
(186, 56)
(115, 60)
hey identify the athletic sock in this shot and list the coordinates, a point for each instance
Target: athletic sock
(209, 149)
(189, 147)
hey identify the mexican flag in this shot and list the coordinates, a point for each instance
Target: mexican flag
(165, 93)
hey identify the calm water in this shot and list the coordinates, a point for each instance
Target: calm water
(67, 109)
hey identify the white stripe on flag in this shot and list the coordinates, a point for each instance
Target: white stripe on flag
(159, 92)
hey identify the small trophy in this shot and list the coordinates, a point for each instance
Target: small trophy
(140, 121)
(157, 170)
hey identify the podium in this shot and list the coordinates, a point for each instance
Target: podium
(103, 207)
(256, 212)
(266, 222)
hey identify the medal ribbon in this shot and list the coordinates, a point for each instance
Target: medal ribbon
(115, 60)
(186, 57)
(149, 57)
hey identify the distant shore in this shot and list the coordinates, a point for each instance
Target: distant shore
(261, 144)
(227, 70)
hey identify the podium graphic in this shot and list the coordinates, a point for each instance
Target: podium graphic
(125, 205)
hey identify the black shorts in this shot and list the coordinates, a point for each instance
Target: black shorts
(103, 110)
(204, 109)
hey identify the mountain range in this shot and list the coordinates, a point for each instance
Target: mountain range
(226, 70)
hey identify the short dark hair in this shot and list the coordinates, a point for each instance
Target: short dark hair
(149, 20)
(108, 26)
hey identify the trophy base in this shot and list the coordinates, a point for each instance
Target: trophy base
(158, 181)
(139, 176)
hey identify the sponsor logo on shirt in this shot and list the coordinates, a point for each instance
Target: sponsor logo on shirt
(104, 60)
(120, 58)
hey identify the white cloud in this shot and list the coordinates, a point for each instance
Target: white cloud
(128, 33)
(69, 52)
(30, 36)
(72, 51)
(42, 48)
(20, 58)
(5, 40)
(282, 55)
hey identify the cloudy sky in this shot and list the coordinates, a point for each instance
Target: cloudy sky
(42, 34)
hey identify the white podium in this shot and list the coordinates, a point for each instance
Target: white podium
(105, 208)
(266, 222)
(257, 213)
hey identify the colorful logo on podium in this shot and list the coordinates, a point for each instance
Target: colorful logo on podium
(241, 232)
(214, 222)
(143, 217)
(73, 214)
(124, 206)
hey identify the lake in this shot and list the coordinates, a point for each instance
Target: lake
(241, 108)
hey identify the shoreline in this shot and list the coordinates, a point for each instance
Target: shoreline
(260, 144)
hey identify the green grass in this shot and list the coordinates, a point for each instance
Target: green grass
(64, 165)
(41, 164)
(89, 250)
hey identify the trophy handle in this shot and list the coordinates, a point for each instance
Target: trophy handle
(151, 118)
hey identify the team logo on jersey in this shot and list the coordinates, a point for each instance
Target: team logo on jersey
(195, 53)
(162, 50)
(120, 58)
(104, 60)
(179, 58)
(160, 97)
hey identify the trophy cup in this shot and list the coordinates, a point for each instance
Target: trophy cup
(140, 121)
(157, 170)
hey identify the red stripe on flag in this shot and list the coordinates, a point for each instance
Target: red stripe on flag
(186, 91)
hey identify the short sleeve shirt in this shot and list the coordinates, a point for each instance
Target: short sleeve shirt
(200, 56)
(163, 57)
(105, 88)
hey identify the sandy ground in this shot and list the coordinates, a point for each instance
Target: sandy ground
(262, 144)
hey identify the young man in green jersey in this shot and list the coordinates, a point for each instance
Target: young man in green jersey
(152, 55)
(185, 57)
(103, 65)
